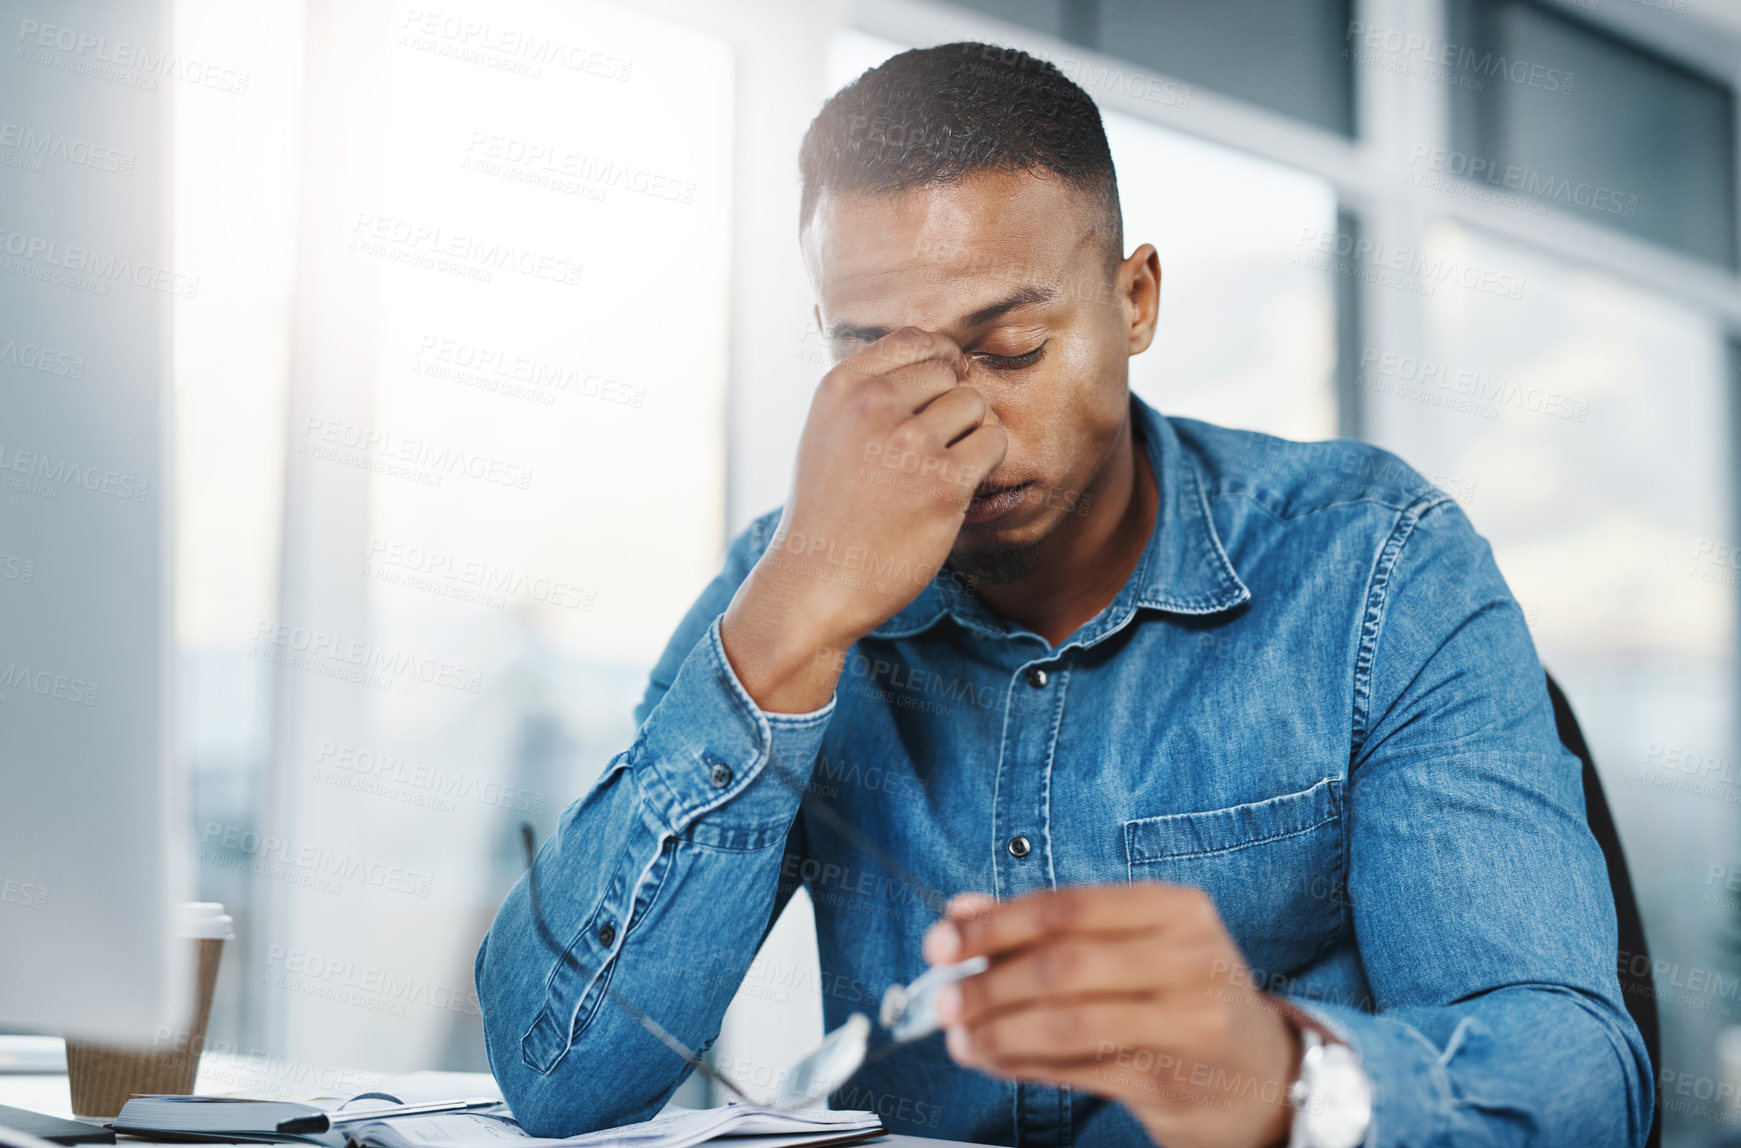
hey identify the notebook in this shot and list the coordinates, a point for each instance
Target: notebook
(53, 1128)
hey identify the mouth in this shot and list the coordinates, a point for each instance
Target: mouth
(993, 502)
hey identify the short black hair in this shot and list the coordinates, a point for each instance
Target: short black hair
(936, 115)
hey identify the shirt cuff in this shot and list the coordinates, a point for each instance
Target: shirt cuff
(708, 749)
(1411, 1089)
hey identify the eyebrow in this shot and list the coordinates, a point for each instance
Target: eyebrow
(1024, 297)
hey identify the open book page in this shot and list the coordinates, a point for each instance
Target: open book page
(675, 1128)
(682, 1127)
(426, 1086)
(442, 1130)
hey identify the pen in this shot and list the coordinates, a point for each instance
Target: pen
(323, 1121)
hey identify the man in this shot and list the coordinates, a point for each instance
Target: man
(1240, 745)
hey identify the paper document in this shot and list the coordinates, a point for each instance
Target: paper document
(210, 1118)
(674, 1128)
(441, 1130)
(684, 1127)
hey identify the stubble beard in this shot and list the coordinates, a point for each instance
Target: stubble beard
(996, 564)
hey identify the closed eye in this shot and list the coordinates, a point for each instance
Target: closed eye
(1010, 362)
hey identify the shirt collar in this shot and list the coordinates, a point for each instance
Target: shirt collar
(1184, 569)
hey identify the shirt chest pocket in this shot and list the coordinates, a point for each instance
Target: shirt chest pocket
(1276, 869)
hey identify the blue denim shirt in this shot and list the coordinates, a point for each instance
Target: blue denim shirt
(1314, 698)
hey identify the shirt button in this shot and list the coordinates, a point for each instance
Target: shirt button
(607, 934)
(721, 775)
(1019, 847)
(1036, 677)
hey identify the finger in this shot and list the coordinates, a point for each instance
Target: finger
(952, 414)
(1079, 908)
(920, 384)
(1060, 1032)
(969, 904)
(975, 456)
(905, 347)
(1073, 965)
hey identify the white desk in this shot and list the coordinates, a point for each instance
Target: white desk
(48, 1094)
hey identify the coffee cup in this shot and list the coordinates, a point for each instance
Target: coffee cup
(103, 1077)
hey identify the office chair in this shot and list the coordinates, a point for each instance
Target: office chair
(1638, 988)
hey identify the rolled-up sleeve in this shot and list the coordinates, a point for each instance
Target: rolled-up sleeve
(1481, 902)
(660, 883)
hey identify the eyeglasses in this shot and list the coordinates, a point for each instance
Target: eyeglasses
(908, 1012)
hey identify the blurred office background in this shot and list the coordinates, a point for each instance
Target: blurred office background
(437, 507)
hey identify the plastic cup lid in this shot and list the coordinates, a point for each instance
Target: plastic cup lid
(202, 920)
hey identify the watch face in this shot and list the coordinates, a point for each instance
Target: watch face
(1338, 1107)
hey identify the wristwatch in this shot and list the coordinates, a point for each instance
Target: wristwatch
(1332, 1099)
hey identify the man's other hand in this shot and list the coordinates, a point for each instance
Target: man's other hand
(1132, 992)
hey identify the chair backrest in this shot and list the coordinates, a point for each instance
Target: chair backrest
(1636, 982)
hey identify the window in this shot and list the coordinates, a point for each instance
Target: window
(503, 479)
(1557, 110)
(1286, 56)
(1621, 554)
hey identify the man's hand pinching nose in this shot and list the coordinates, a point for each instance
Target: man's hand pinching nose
(892, 450)
(1084, 978)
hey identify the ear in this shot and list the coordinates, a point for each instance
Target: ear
(1139, 288)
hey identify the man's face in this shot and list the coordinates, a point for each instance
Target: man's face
(1010, 267)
